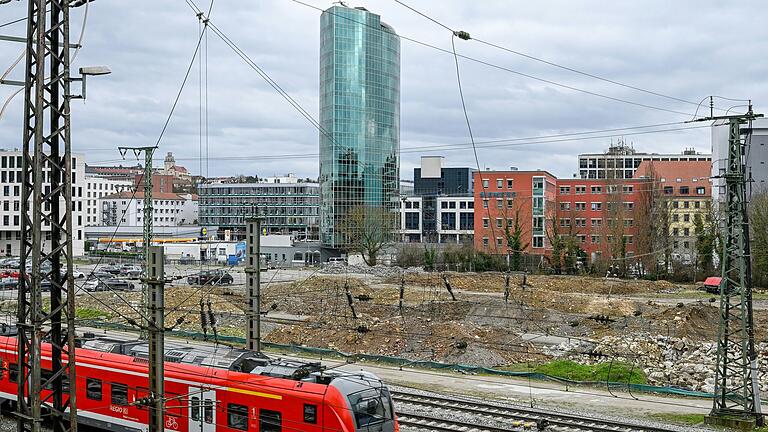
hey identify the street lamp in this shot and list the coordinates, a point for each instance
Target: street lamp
(84, 72)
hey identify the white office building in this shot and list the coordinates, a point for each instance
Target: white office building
(756, 156)
(10, 209)
(169, 209)
(99, 187)
(621, 161)
(455, 221)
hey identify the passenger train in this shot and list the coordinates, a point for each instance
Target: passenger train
(212, 389)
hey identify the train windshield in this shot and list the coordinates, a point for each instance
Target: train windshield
(370, 406)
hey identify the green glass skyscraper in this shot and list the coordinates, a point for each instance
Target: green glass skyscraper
(359, 117)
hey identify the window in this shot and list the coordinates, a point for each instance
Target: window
(208, 411)
(195, 403)
(686, 244)
(485, 242)
(466, 221)
(485, 184)
(630, 239)
(597, 189)
(452, 204)
(509, 183)
(565, 190)
(499, 203)
(581, 206)
(628, 189)
(498, 222)
(675, 204)
(93, 389)
(675, 217)
(697, 204)
(686, 204)
(499, 242)
(485, 203)
(595, 239)
(686, 217)
(597, 206)
(444, 204)
(411, 220)
(580, 222)
(629, 205)
(13, 372)
(499, 183)
(581, 190)
(270, 421)
(684, 190)
(686, 231)
(564, 222)
(596, 222)
(565, 206)
(485, 223)
(119, 394)
(237, 416)
(448, 221)
(700, 191)
(510, 203)
(675, 232)
(538, 242)
(668, 190)
(310, 413)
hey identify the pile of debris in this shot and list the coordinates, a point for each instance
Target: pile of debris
(667, 361)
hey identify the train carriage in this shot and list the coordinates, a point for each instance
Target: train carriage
(274, 396)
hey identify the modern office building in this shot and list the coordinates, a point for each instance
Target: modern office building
(288, 205)
(756, 156)
(621, 161)
(442, 191)
(359, 117)
(11, 178)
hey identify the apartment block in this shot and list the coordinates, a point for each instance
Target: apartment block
(505, 199)
(11, 177)
(168, 209)
(98, 187)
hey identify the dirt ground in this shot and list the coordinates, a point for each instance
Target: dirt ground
(478, 327)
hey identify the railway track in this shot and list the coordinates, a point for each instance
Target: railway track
(515, 417)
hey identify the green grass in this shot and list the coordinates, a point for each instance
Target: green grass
(685, 419)
(88, 313)
(567, 369)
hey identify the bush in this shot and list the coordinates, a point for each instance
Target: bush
(411, 255)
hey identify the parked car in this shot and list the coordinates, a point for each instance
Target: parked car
(110, 269)
(115, 284)
(131, 271)
(9, 284)
(212, 277)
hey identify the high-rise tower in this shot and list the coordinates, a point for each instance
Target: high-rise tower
(359, 116)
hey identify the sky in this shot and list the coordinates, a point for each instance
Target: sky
(684, 49)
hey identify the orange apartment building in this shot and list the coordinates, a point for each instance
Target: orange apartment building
(501, 197)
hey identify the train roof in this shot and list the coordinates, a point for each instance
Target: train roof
(219, 357)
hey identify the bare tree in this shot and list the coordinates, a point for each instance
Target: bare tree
(758, 220)
(515, 235)
(367, 230)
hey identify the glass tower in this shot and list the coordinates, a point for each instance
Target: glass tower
(359, 117)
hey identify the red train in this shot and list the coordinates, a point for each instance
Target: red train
(205, 393)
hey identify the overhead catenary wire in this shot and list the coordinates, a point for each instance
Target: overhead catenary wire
(503, 68)
(560, 66)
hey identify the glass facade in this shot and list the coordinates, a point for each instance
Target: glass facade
(360, 110)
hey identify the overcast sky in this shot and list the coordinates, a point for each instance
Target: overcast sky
(685, 49)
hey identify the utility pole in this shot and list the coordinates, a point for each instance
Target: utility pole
(147, 216)
(156, 312)
(253, 276)
(46, 150)
(737, 390)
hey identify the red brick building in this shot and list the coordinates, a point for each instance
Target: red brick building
(504, 197)
(600, 213)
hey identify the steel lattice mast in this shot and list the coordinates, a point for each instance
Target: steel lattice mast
(737, 391)
(46, 202)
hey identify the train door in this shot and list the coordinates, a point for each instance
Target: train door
(202, 410)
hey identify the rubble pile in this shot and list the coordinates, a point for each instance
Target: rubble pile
(666, 361)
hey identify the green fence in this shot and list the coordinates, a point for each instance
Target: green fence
(422, 364)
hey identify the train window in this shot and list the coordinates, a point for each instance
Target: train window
(46, 375)
(93, 389)
(13, 372)
(310, 413)
(208, 411)
(270, 421)
(119, 394)
(195, 404)
(237, 416)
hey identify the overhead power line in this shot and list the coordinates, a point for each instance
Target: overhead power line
(557, 65)
(503, 68)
